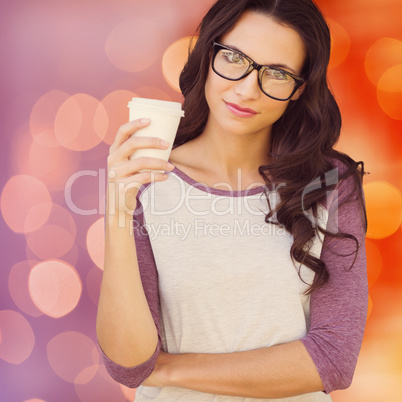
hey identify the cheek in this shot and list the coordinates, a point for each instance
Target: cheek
(216, 86)
(273, 110)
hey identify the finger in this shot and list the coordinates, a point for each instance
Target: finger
(137, 142)
(130, 170)
(141, 178)
(151, 177)
(126, 130)
(139, 164)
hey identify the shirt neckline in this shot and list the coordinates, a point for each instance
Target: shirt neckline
(215, 191)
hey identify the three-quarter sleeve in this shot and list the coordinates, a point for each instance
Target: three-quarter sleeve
(338, 310)
(133, 376)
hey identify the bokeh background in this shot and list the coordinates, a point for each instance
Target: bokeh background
(69, 69)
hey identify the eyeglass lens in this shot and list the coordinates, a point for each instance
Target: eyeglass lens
(233, 65)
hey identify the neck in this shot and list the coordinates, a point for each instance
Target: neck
(228, 153)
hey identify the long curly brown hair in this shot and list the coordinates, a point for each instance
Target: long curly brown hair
(302, 140)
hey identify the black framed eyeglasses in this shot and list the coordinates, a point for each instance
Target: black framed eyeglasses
(234, 65)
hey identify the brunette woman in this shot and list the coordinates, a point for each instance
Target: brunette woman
(239, 274)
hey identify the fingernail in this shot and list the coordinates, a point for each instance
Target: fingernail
(145, 121)
(164, 143)
(170, 166)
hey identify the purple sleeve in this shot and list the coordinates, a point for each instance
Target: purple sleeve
(133, 376)
(339, 309)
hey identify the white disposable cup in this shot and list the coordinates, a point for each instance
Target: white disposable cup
(165, 118)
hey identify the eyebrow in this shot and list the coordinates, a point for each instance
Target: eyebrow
(282, 66)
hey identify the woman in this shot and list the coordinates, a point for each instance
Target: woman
(242, 275)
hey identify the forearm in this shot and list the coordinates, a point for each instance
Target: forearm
(125, 327)
(275, 372)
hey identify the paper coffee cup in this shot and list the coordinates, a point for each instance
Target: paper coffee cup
(165, 118)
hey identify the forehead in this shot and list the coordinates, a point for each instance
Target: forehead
(266, 41)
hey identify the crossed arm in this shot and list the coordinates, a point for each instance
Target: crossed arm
(274, 372)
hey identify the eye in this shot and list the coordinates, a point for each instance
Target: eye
(233, 57)
(277, 75)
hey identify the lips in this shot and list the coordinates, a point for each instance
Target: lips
(240, 111)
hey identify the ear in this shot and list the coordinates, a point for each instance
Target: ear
(297, 94)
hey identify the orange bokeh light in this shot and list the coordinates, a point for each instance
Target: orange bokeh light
(19, 290)
(55, 287)
(56, 237)
(374, 262)
(25, 203)
(19, 150)
(81, 123)
(115, 105)
(384, 209)
(43, 115)
(95, 384)
(391, 80)
(174, 59)
(340, 43)
(86, 375)
(96, 242)
(17, 337)
(389, 92)
(384, 355)
(134, 44)
(355, 141)
(71, 257)
(369, 306)
(50, 241)
(51, 165)
(34, 400)
(71, 352)
(382, 55)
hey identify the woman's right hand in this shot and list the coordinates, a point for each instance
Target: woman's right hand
(125, 176)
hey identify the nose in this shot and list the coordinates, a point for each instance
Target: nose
(248, 87)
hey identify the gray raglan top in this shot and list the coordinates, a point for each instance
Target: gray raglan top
(219, 279)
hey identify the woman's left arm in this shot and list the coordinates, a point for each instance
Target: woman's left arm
(324, 360)
(274, 372)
